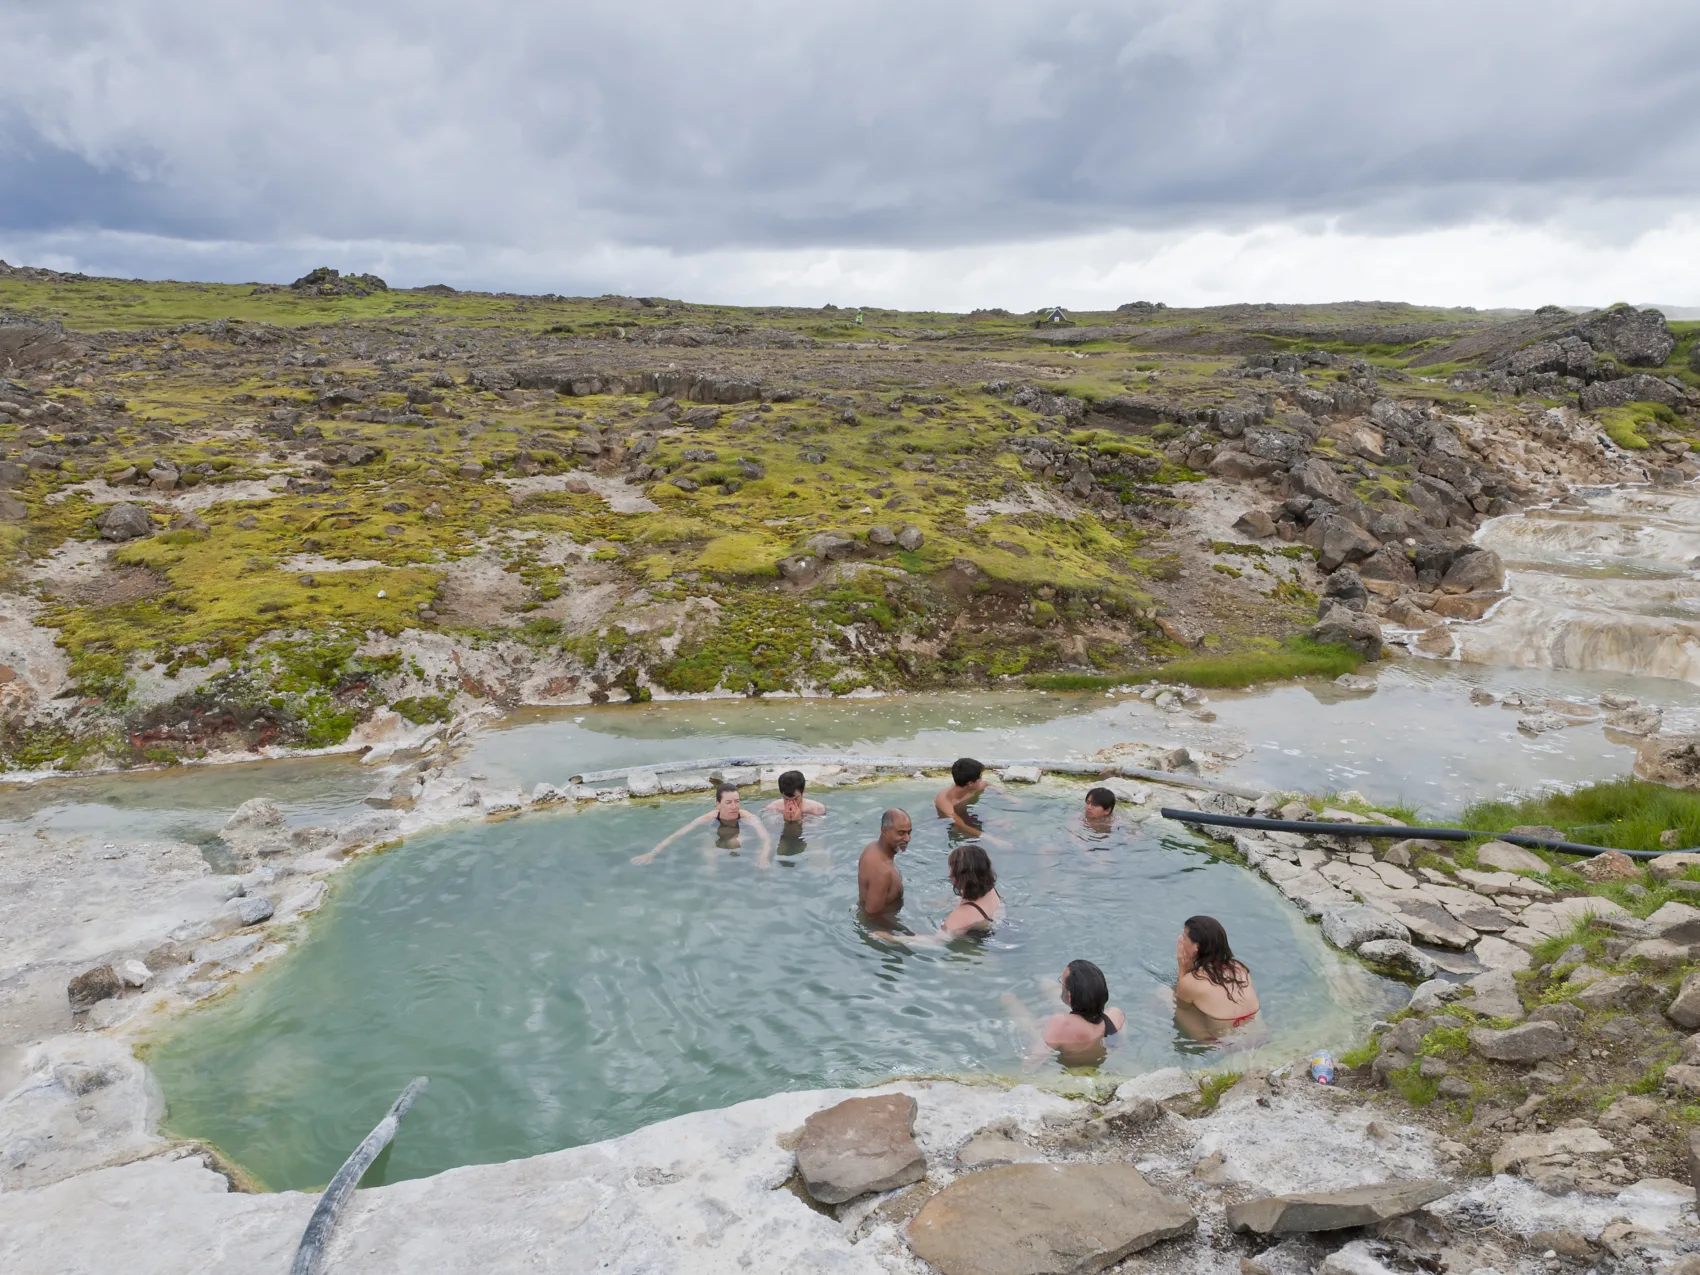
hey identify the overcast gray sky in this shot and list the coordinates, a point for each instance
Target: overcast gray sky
(948, 153)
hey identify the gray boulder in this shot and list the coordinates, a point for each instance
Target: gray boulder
(1317, 479)
(858, 1146)
(1473, 572)
(124, 521)
(249, 909)
(830, 545)
(1338, 540)
(1638, 337)
(255, 815)
(1613, 992)
(1569, 356)
(1341, 627)
(880, 534)
(1255, 523)
(1335, 1210)
(1034, 1219)
(1684, 1011)
(1639, 388)
(1388, 563)
(1355, 924)
(1399, 955)
(1527, 1043)
(910, 538)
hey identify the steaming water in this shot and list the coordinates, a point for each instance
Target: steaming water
(557, 994)
(1612, 587)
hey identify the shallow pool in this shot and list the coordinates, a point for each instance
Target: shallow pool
(557, 994)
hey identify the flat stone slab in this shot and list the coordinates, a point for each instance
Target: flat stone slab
(1431, 923)
(1045, 1219)
(1526, 1043)
(1334, 1210)
(859, 1146)
(1509, 858)
(992, 1147)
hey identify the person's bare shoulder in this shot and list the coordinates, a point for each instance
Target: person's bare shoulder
(811, 807)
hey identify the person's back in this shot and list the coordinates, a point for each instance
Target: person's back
(1091, 1020)
(976, 886)
(1210, 977)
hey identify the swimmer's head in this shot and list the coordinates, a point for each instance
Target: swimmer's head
(1085, 991)
(895, 827)
(1100, 803)
(971, 873)
(726, 803)
(791, 785)
(966, 772)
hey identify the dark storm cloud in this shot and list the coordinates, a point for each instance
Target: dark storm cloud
(770, 125)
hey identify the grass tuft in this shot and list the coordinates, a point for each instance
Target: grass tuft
(1625, 814)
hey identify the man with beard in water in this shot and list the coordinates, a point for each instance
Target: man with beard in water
(879, 885)
(728, 820)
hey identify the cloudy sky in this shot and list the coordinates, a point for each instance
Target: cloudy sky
(940, 153)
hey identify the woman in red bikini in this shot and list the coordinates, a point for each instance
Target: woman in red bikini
(1211, 979)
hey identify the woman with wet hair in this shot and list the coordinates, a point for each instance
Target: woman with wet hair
(978, 905)
(976, 885)
(1091, 1019)
(1210, 977)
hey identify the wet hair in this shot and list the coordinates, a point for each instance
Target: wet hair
(965, 771)
(1103, 798)
(721, 789)
(889, 819)
(971, 874)
(1088, 993)
(792, 783)
(1216, 960)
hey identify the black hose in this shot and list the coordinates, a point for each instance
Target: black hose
(318, 1233)
(1313, 827)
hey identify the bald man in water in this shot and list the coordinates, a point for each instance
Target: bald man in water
(879, 884)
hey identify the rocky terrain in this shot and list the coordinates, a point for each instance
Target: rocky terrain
(242, 519)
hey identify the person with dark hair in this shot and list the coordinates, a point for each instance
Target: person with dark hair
(1091, 1019)
(728, 819)
(879, 885)
(792, 805)
(1100, 805)
(976, 887)
(967, 782)
(1211, 979)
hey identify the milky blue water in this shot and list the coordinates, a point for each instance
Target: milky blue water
(556, 993)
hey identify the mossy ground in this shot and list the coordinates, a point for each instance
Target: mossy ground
(336, 552)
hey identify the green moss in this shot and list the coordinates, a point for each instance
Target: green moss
(420, 709)
(1413, 1086)
(1261, 661)
(1361, 1055)
(741, 553)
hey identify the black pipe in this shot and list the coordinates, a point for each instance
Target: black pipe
(1329, 828)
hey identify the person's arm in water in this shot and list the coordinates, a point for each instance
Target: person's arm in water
(672, 837)
(952, 810)
(764, 855)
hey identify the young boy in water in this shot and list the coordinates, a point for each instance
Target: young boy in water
(1100, 806)
(792, 805)
(967, 782)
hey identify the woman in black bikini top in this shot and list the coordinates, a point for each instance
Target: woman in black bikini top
(972, 878)
(1091, 1019)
